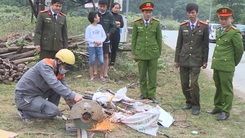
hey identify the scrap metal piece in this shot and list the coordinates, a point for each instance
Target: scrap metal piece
(86, 114)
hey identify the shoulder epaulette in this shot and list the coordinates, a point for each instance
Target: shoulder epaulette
(62, 13)
(156, 19)
(137, 19)
(233, 27)
(183, 23)
(44, 11)
(202, 22)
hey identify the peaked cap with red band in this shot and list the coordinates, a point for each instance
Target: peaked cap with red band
(146, 6)
(224, 12)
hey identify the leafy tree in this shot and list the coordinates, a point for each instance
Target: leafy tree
(162, 8)
(20, 3)
(180, 9)
(236, 5)
(204, 9)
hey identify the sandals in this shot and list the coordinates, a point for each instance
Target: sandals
(102, 79)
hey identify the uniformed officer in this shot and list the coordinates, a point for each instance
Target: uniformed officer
(190, 55)
(227, 54)
(146, 49)
(51, 31)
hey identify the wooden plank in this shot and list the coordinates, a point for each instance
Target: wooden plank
(7, 134)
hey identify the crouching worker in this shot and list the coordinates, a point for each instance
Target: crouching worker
(38, 92)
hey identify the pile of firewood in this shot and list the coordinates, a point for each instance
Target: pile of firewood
(10, 72)
(12, 62)
(17, 50)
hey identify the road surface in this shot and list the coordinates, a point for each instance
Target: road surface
(170, 38)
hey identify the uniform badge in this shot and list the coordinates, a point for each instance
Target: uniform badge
(185, 31)
(48, 19)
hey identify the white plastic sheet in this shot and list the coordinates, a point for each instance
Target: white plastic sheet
(165, 119)
(105, 97)
(145, 122)
(121, 95)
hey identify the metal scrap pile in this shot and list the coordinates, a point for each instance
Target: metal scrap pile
(113, 102)
(91, 113)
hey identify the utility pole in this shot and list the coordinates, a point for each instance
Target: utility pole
(127, 5)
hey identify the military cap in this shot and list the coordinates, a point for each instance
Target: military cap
(103, 2)
(57, 1)
(148, 5)
(224, 12)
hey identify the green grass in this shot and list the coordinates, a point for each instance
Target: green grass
(169, 96)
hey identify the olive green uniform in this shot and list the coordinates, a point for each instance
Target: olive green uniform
(191, 53)
(50, 33)
(146, 47)
(227, 54)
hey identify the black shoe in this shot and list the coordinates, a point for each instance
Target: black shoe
(215, 111)
(140, 97)
(186, 107)
(153, 100)
(223, 116)
(195, 111)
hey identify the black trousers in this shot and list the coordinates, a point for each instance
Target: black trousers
(114, 39)
(189, 83)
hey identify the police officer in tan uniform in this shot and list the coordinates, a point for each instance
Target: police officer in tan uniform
(227, 54)
(146, 49)
(190, 55)
(51, 31)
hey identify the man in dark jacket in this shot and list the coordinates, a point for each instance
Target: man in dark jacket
(190, 55)
(51, 31)
(108, 22)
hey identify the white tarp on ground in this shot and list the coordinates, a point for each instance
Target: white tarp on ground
(121, 95)
(145, 122)
(146, 119)
(165, 119)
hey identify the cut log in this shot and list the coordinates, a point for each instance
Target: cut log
(22, 65)
(22, 55)
(75, 36)
(7, 134)
(2, 71)
(18, 61)
(11, 49)
(3, 44)
(6, 50)
(75, 45)
(7, 54)
(86, 54)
